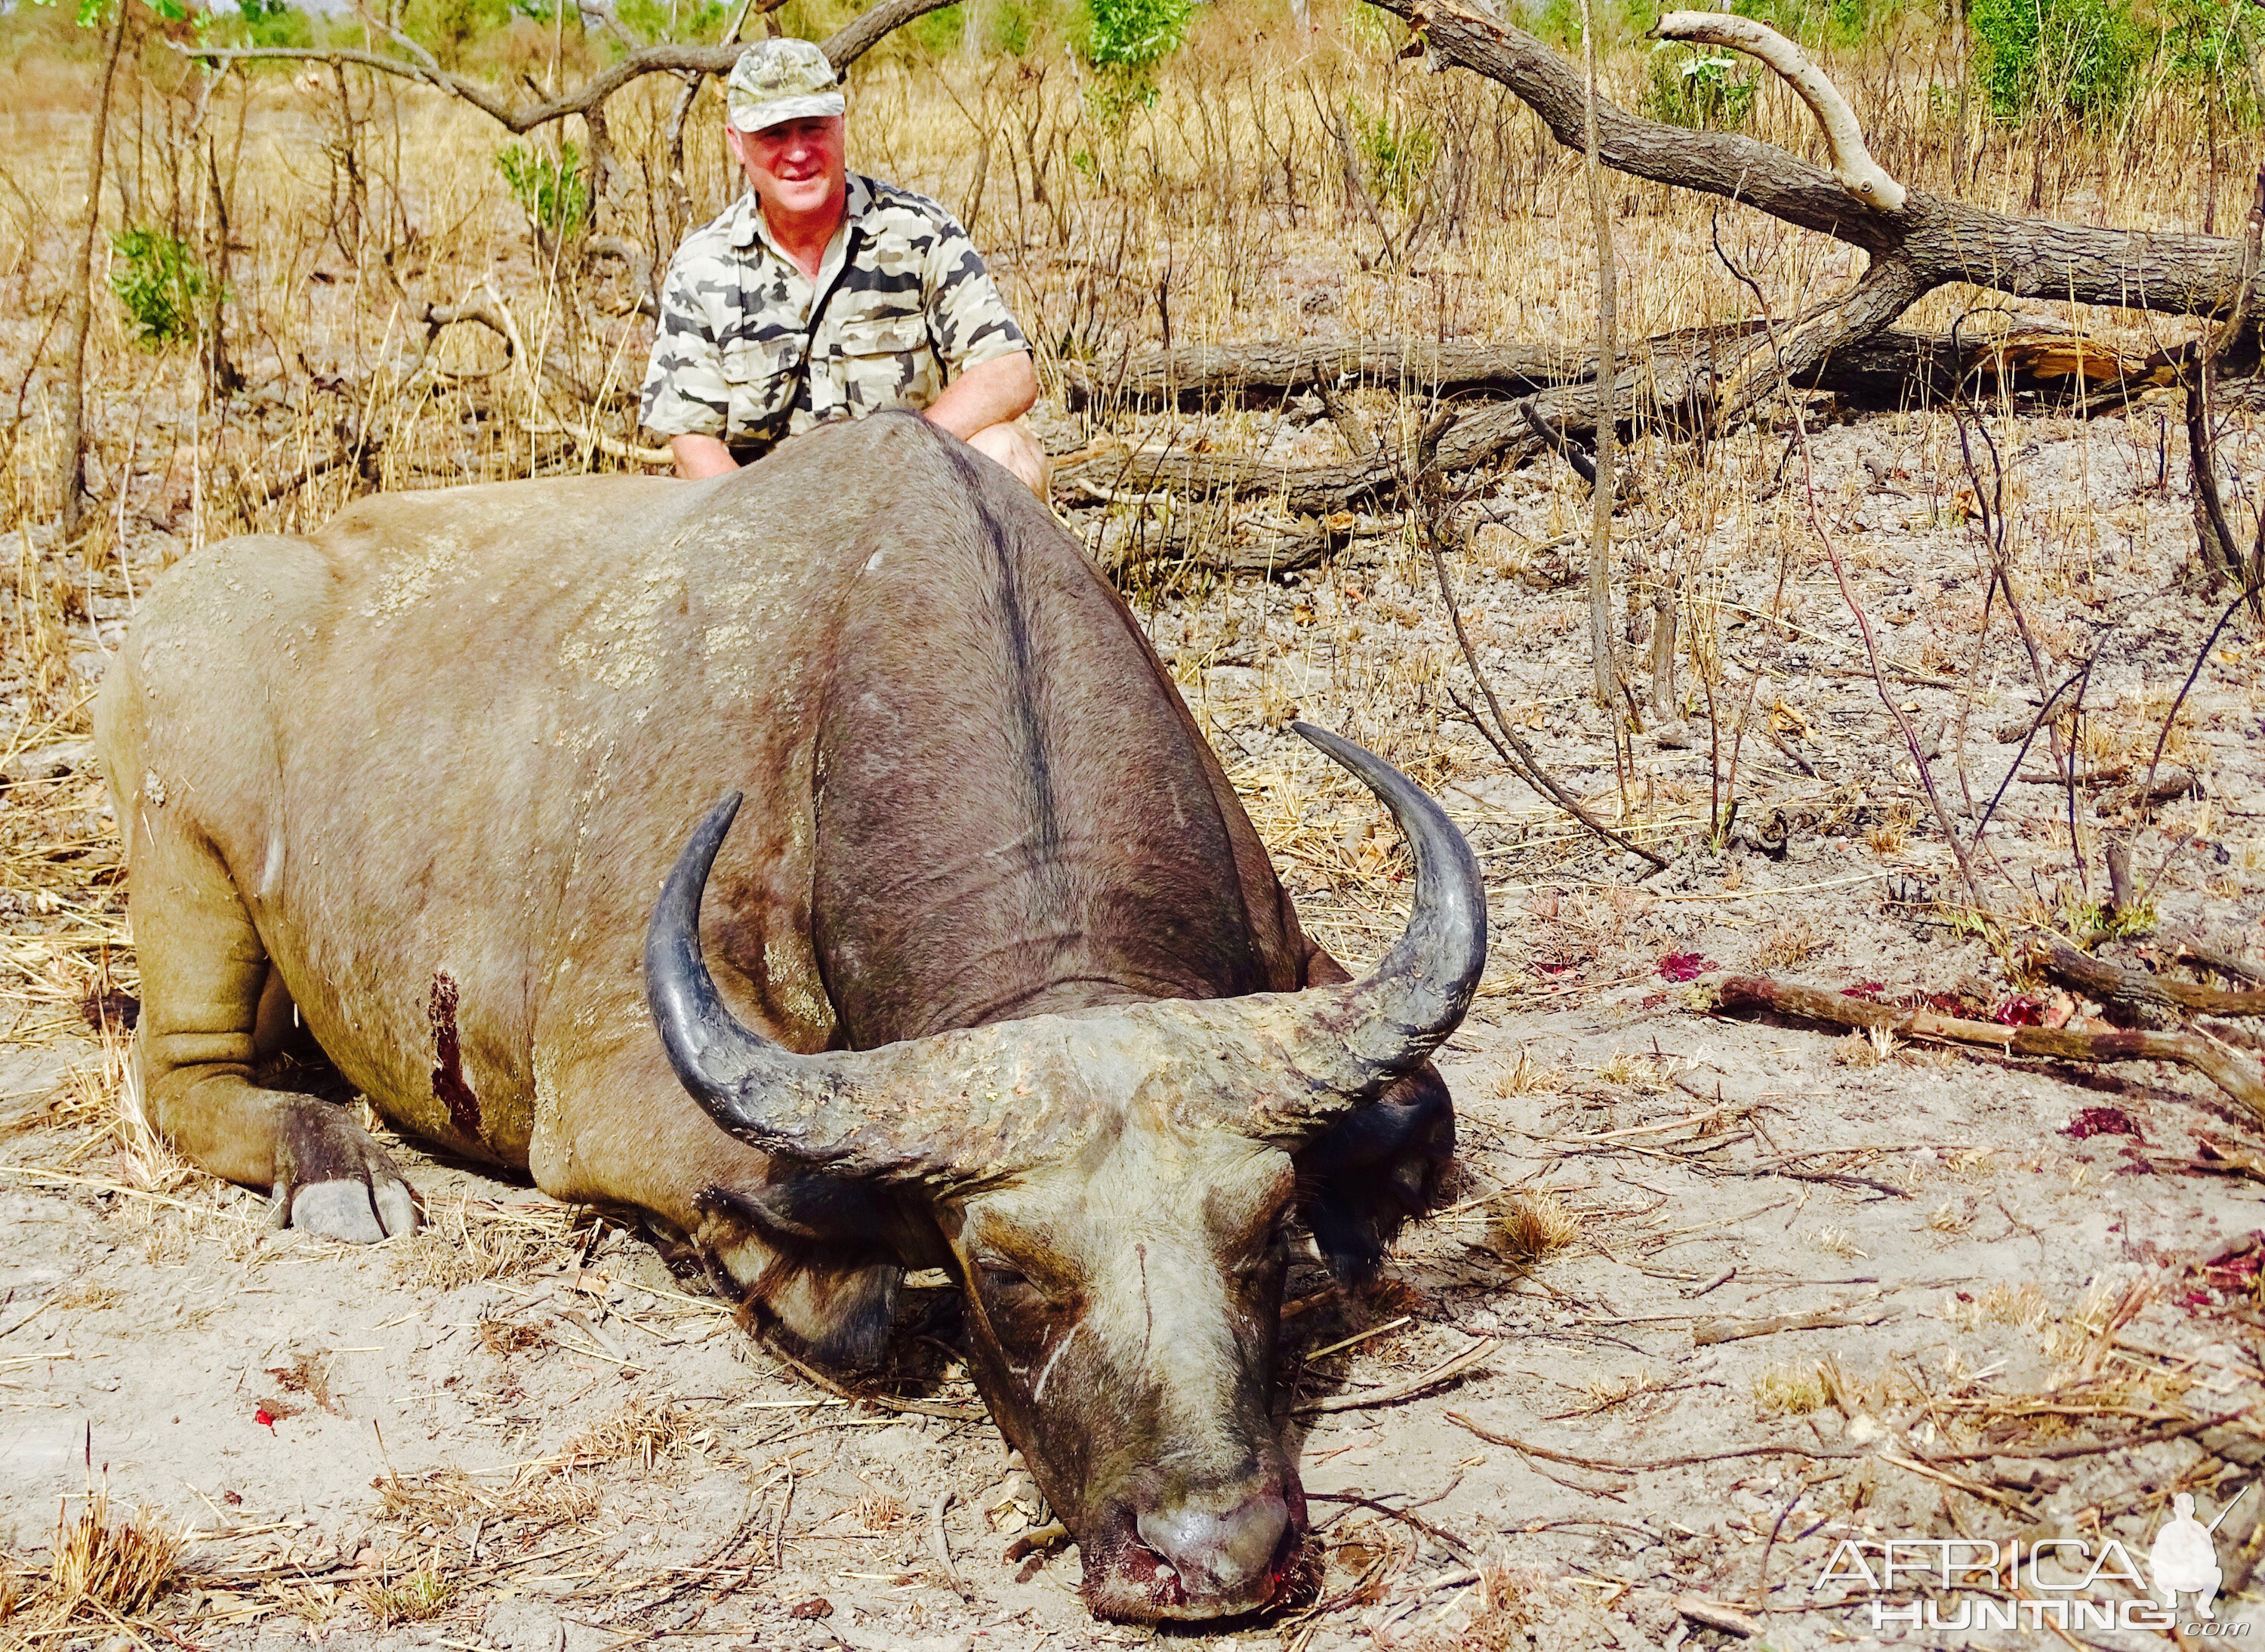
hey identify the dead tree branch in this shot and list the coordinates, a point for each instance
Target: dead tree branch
(2221, 551)
(71, 472)
(842, 48)
(1853, 164)
(2235, 1074)
(2113, 983)
(1916, 245)
(1893, 368)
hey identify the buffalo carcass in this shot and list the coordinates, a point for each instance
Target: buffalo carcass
(1003, 981)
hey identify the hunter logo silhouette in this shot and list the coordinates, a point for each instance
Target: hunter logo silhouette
(2184, 1560)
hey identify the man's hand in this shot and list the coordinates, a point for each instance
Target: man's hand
(993, 393)
(698, 457)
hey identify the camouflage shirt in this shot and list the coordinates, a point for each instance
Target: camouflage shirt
(914, 306)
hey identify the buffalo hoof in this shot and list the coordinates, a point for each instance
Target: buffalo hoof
(331, 1179)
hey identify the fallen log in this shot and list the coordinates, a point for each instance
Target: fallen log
(1916, 241)
(2238, 1076)
(1222, 372)
(2113, 983)
(1897, 366)
(2192, 950)
(1305, 489)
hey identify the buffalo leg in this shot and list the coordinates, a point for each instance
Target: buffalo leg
(204, 974)
(818, 1258)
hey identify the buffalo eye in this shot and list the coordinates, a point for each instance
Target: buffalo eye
(1010, 1287)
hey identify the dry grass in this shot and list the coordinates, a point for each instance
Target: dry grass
(423, 1594)
(1603, 1393)
(642, 1432)
(1791, 1391)
(1527, 1077)
(1834, 1241)
(476, 1239)
(100, 1571)
(1789, 943)
(2022, 1306)
(1531, 1224)
(880, 1511)
(1951, 1216)
(540, 1495)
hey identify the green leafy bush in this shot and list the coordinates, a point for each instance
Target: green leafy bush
(939, 32)
(549, 188)
(2215, 48)
(448, 28)
(1399, 156)
(1845, 23)
(1711, 92)
(1135, 35)
(274, 23)
(157, 277)
(2086, 57)
(1016, 26)
(661, 20)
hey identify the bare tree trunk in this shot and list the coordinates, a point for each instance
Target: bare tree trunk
(71, 473)
(1600, 489)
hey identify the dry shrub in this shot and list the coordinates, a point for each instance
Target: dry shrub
(501, 1336)
(880, 1511)
(1531, 1224)
(542, 1494)
(107, 1572)
(423, 1594)
(646, 1432)
(1791, 1391)
(1789, 945)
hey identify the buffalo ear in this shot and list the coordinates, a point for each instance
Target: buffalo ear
(1375, 1170)
(840, 1249)
(817, 1210)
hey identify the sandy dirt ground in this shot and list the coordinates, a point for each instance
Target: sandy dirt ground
(1712, 1305)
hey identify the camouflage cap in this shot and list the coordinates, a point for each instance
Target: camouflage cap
(780, 80)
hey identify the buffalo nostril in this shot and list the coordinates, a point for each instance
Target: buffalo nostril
(1219, 1552)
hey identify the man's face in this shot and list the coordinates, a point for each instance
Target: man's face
(795, 167)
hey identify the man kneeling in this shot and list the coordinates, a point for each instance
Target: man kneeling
(822, 294)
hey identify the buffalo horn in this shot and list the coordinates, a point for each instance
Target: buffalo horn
(1364, 1036)
(765, 1095)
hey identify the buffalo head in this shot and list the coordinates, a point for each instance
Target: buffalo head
(1113, 1187)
